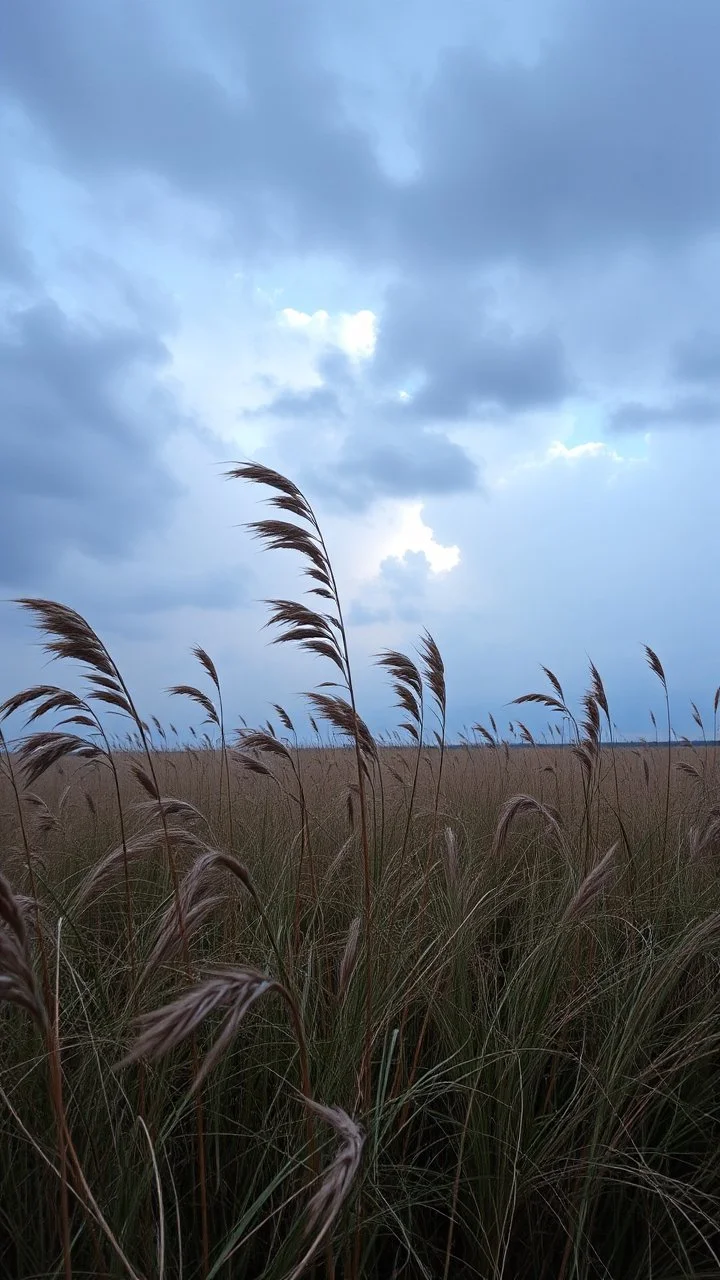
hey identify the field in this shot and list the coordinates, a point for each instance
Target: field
(357, 1010)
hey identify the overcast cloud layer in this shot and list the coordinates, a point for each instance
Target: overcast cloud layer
(453, 268)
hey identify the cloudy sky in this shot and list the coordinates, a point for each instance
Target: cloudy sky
(454, 268)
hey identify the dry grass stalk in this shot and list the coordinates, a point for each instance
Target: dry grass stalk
(171, 808)
(340, 714)
(337, 1181)
(207, 663)
(316, 632)
(17, 979)
(657, 668)
(325, 635)
(260, 741)
(197, 695)
(234, 989)
(44, 820)
(169, 938)
(49, 697)
(256, 743)
(349, 958)
(591, 887)
(598, 692)
(691, 771)
(137, 847)
(485, 734)
(434, 672)
(147, 782)
(284, 718)
(554, 682)
(70, 636)
(655, 665)
(706, 840)
(407, 687)
(250, 762)
(199, 898)
(452, 866)
(410, 697)
(339, 858)
(523, 806)
(39, 751)
(587, 754)
(591, 723)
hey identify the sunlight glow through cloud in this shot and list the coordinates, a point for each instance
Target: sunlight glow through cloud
(413, 534)
(354, 332)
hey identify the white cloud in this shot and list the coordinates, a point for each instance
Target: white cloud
(357, 333)
(591, 449)
(303, 320)
(390, 531)
(412, 534)
(354, 332)
(555, 454)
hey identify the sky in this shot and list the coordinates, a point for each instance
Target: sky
(453, 268)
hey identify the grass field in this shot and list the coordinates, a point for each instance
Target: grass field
(358, 1011)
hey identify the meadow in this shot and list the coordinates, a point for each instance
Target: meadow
(350, 1008)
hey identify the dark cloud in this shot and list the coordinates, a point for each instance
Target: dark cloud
(394, 464)
(381, 449)
(690, 411)
(336, 368)
(698, 359)
(316, 403)
(607, 139)
(516, 375)
(399, 592)
(363, 615)
(127, 87)
(440, 333)
(431, 464)
(604, 141)
(211, 589)
(83, 419)
(136, 610)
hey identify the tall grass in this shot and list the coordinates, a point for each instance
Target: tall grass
(357, 1010)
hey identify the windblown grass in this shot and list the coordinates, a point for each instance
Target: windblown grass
(368, 1012)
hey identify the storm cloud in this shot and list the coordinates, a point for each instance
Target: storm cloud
(425, 464)
(241, 104)
(442, 335)
(688, 411)
(227, 103)
(83, 422)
